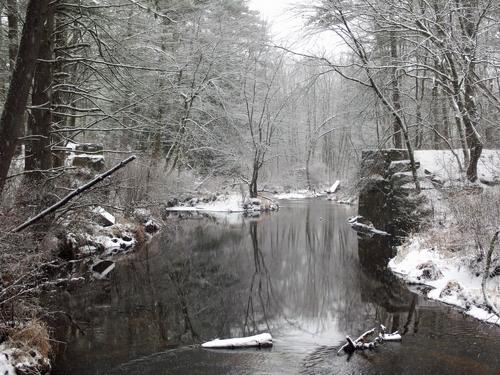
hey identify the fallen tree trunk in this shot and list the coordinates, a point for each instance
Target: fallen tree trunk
(263, 340)
(73, 194)
(360, 343)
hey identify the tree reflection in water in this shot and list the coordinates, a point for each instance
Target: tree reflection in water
(298, 274)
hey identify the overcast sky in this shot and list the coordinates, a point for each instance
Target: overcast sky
(288, 27)
(279, 14)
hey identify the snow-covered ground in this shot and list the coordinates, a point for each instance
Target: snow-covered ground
(298, 194)
(223, 203)
(305, 193)
(227, 203)
(443, 165)
(28, 360)
(448, 275)
(424, 259)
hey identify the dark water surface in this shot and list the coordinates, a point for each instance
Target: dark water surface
(299, 274)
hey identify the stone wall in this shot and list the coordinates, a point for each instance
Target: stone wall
(387, 195)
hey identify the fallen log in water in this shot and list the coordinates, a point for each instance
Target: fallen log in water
(361, 344)
(260, 341)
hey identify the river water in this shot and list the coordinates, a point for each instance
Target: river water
(300, 274)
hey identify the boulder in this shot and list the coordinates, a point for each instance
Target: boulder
(429, 271)
(401, 178)
(151, 226)
(451, 288)
(143, 215)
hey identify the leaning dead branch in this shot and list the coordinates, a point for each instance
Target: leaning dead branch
(73, 194)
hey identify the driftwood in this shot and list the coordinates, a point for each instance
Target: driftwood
(263, 340)
(361, 342)
(73, 194)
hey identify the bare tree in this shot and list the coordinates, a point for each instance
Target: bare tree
(20, 83)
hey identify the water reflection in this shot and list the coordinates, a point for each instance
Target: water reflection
(298, 274)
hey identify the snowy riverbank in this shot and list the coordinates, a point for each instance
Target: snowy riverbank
(445, 255)
(226, 203)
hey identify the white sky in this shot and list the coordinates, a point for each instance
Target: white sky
(287, 27)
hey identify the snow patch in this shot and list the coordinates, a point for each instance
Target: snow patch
(14, 360)
(228, 203)
(298, 194)
(456, 285)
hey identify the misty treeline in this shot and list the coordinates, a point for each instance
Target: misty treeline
(200, 86)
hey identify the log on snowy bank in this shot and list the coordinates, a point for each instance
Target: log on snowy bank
(333, 188)
(263, 340)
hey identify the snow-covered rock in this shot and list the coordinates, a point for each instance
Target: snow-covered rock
(452, 288)
(6, 367)
(429, 271)
(401, 178)
(16, 360)
(142, 214)
(151, 226)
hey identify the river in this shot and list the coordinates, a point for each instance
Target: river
(300, 274)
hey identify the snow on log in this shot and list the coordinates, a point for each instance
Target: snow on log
(362, 225)
(392, 336)
(334, 187)
(360, 343)
(260, 341)
(105, 217)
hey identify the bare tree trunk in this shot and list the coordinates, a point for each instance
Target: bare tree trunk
(396, 96)
(252, 187)
(444, 114)
(2, 80)
(419, 93)
(12, 115)
(470, 115)
(38, 152)
(435, 116)
(308, 172)
(13, 22)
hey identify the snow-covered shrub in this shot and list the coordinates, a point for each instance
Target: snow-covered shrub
(476, 214)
